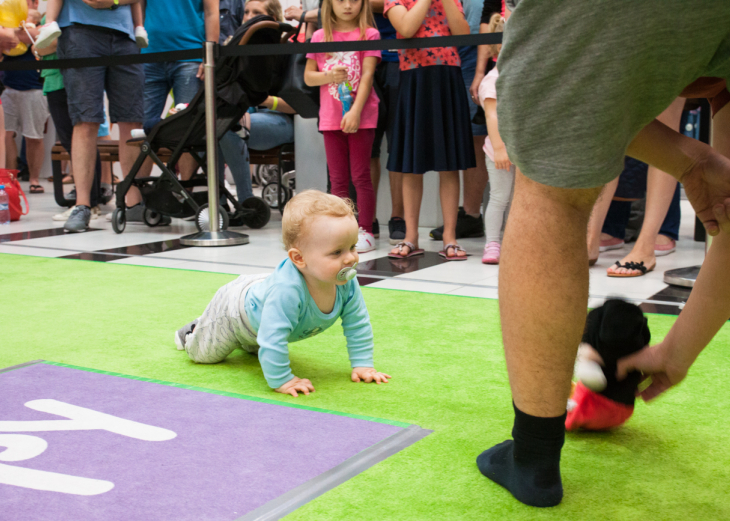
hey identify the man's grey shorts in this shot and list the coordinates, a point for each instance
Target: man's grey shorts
(578, 80)
(26, 112)
(124, 84)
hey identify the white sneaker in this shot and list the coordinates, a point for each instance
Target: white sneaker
(95, 214)
(140, 35)
(365, 241)
(47, 34)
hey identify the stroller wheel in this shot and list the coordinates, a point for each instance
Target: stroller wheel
(151, 218)
(268, 174)
(269, 194)
(256, 212)
(119, 221)
(202, 219)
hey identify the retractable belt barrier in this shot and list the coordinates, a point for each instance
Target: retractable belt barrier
(209, 53)
(260, 50)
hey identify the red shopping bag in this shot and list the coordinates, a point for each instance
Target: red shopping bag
(9, 178)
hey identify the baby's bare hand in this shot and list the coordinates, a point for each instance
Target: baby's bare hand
(369, 374)
(296, 384)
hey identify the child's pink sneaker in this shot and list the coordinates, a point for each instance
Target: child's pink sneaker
(491, 253)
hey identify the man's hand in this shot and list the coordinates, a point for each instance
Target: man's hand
(201, 72)
(656, 362)
(501, 159)
(296, 384)
(339, 74)
(369, 374)
(350, 122)
(8, 40)
(294, 13)
(707, 185)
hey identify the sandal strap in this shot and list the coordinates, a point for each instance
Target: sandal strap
(407, 244)
(455, 247)
(633, 266)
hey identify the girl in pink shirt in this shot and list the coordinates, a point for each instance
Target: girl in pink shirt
(348, 137)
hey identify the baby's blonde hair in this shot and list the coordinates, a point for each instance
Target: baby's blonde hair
(307, 206)
(496, 25)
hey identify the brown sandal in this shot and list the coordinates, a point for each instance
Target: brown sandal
(456, 257)
(412, 253)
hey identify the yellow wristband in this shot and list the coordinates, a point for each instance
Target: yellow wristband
(276, 103)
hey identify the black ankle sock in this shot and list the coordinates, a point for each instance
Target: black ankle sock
(529, 466)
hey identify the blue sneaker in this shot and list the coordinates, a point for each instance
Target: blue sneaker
(79, 219)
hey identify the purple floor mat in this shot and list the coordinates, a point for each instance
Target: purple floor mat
(144, 450)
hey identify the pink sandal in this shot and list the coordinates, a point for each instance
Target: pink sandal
(456, 256)
(412, 253)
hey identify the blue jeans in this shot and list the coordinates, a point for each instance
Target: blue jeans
(160, 78)
(269, 129)
(232, 151)
(620, 211)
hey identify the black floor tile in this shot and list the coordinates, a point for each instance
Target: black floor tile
(37, 234)
(146, 249)
(387, 267)
(93, 256)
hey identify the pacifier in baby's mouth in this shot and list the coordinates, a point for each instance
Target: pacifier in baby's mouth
(348, 273)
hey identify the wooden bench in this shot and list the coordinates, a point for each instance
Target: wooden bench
(109, 152)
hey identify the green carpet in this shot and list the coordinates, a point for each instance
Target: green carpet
(671, 461)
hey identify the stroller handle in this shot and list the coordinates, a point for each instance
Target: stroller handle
(258, 26)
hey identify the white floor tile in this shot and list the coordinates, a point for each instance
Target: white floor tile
(412, 285)
(476, 291)
(148, 260)
(36, 252)
(222, 268)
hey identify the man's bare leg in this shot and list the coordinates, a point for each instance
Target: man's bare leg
(34, 153)
(83, 157)
(542, 313)
(11, 151)
(127, 157)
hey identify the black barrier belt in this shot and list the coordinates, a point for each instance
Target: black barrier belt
(362, 45)
(103, 61)
(259, 50)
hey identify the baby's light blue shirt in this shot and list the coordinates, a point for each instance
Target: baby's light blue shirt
(281, 310)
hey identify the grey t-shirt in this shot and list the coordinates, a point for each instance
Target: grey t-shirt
(578, 80)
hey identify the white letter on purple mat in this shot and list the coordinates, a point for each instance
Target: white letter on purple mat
(82, 419)
(22, 447)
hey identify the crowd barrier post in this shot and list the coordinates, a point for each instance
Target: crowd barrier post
(215, 236)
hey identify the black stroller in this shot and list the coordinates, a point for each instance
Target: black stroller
(241, 82)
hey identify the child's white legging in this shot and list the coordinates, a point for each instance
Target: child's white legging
(223, 326)
(501, 183)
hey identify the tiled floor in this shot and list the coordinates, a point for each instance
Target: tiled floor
(36, 234)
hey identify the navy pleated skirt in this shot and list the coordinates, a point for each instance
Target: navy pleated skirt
(432, 129)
